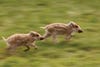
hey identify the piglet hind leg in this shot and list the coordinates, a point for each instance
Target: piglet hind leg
(46, 35)
(54, 38)
(11, 49)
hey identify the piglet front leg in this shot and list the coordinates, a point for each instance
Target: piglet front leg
(28, 48)
(68, 37)
(34, 45)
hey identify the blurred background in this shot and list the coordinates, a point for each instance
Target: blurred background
(22, 16)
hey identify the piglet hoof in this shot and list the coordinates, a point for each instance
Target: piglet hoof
(26, 50)
(36, 48)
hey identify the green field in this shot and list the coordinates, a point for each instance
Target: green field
(22, 16)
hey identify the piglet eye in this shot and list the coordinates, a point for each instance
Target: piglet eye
(37, 35)
(76, 26)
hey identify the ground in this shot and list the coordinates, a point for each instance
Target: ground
(22, 16)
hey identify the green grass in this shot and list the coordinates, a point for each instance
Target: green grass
(22, 16)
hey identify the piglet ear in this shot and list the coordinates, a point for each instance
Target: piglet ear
(71, 22)
(32, 33)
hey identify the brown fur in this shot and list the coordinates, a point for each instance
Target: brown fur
(61, 29)
(26, 40)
